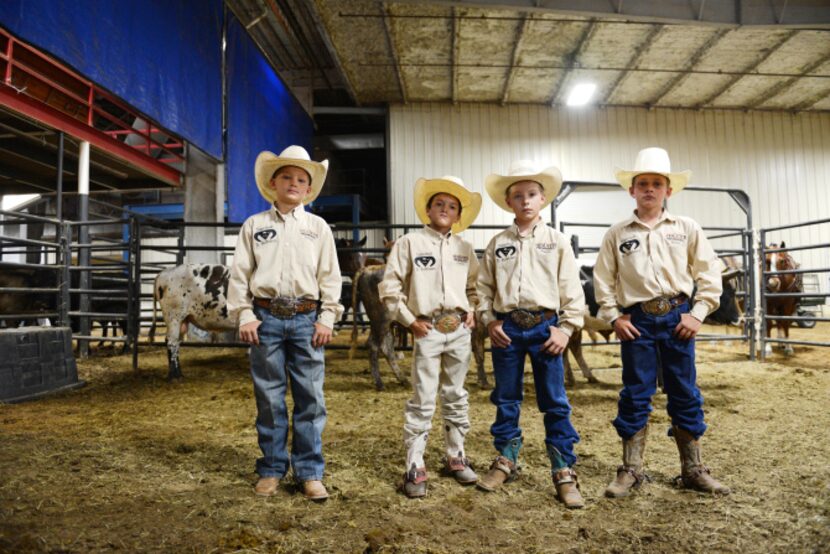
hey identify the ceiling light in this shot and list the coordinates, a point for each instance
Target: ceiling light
(581, 94)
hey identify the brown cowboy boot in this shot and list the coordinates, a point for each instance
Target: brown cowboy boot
(501, 471)
(567, 487)
(503, 468)
(629, 475)
(694, 475)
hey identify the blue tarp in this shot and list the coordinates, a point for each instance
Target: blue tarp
(262, 115)
(162, 57)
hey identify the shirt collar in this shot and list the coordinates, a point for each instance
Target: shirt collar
(534, 231)
(664, 216)
(435, 235)
(296, 213)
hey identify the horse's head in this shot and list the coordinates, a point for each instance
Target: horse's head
(350, 260)
(779, 261)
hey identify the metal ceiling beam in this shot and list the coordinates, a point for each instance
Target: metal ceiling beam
(696, 57)
(749, 69)
(723, 12)
(390, 41)
(456, 30)
(297, 30)
(573, 59)
(324, 36)
(812, 101)
(652, 36)
(521, 30)
(781, 86)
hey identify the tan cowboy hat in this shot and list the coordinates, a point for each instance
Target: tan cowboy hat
(470, 201)
(523, 170)
(268, 162)
(653, 160)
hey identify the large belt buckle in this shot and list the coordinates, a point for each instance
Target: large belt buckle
(283, 307)
(524, 318)
(447, 322)
(657, 306)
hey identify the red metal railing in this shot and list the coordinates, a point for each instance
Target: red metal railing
(36, 75)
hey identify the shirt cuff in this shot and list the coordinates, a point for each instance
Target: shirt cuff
(699, 311)
(567, 328)
(608, 315)
(487, 317)
(246, 315)
(326, 318)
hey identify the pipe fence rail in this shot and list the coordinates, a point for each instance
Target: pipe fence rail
(818, 297)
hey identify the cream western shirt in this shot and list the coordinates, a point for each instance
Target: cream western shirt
(428, 273)
(534, 272)
(638, 262)
(285, 255)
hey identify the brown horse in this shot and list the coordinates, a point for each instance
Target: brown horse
(777, 283)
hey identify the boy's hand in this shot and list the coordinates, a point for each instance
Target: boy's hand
(420, 328)
(625, 329)
(498, 338)
(687, 328)
(248, 332)
(321, 336)
(557, 342)
(470, 320)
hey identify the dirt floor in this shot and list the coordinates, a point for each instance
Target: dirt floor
(131, 463)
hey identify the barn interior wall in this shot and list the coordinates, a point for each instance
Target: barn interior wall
(781, 160)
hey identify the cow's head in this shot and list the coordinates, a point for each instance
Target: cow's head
(729, 312)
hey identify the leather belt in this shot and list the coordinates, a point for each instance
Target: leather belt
(662, 304)
(527, 319)
(286, 307)
(445, 322)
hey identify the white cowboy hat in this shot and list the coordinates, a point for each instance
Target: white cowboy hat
(268, 162)
(523, 170)
(470, 201)
(653, 160)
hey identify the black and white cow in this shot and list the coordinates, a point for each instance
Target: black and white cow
(191, 294)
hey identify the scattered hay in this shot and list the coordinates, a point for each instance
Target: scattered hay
(133, 463)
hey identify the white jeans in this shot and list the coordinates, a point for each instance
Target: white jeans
(440, 364)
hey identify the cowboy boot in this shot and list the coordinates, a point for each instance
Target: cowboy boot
(415, 482)
(629, 475)
(457, 464)
(565, 480)
(694, 475)
(503, 468)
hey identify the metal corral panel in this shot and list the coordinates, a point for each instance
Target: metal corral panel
(782, 161)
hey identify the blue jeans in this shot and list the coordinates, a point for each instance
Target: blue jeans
(655, 347)
(286, 357)
(549, 380)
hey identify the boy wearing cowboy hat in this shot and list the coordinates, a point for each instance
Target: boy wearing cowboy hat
(646, 270)
(531, 300)
(284, 289)
(430, 287)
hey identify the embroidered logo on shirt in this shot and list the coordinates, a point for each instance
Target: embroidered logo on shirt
(265, 235)
(629, 246)
(676, 238)
(425, 262)
(308, 234)
(505, 252)
(545, 246)
(460, 259)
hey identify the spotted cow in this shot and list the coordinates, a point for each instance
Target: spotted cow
(191, 293)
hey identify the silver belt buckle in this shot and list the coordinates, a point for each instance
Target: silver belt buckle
(524, 318)
(657, 306)
(447, 322)
(283, 307)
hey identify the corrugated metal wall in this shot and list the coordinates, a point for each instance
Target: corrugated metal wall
(781, 160)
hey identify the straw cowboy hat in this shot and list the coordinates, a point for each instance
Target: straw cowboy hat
(470, 201)
(653, 160)
(268, 162)
(523, 170)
